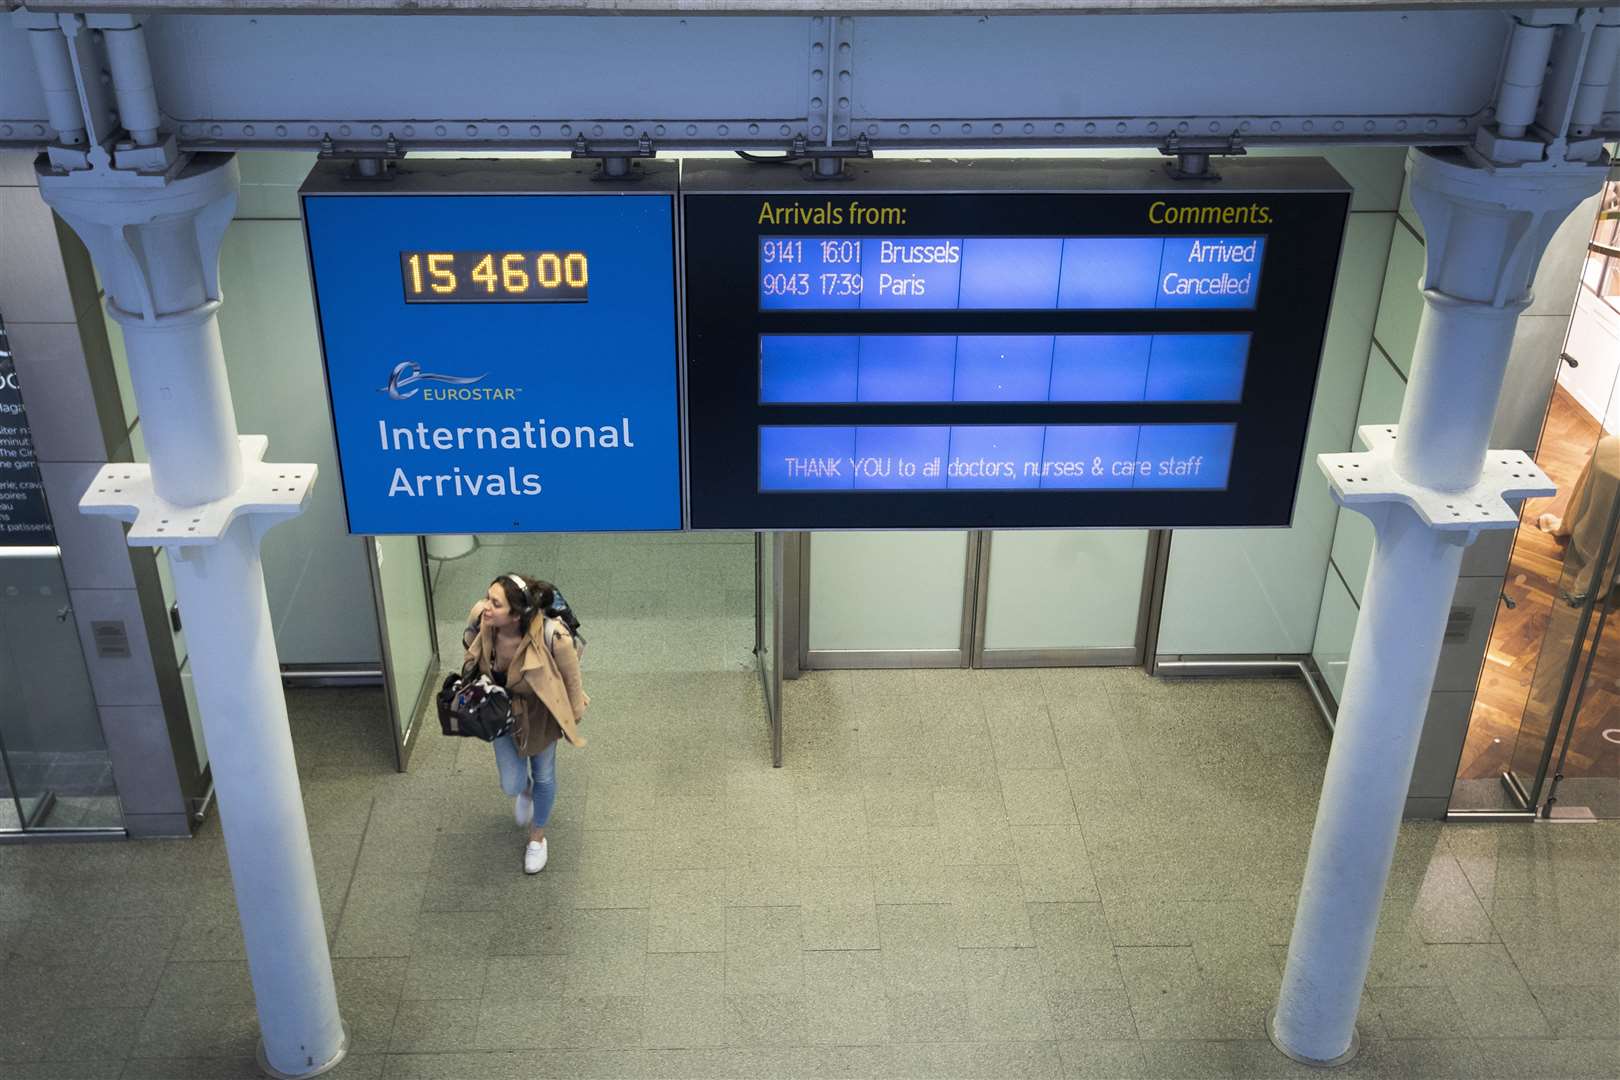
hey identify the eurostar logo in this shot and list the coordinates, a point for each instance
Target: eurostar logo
(408, 373)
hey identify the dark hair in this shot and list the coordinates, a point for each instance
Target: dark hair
(526, 596)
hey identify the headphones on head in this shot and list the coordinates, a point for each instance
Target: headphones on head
(523, 589)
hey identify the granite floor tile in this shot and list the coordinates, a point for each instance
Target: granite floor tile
(536, 916)
(379, 917)
(178, 1029)
(759, 800)
(908, 865)
(607, 969)
(104, 1069)
(1074, 946)
(988, 905)
(447, 977)
(434, 1026)
(773, 846)
(973, 1061)
(898, 791)
(685, 1021)
(1052, 863)
(1021, 734)
(763, 885)
(1090, 1015)
(764, 954)
(927, 1016)
(1581, 1012)
(1037, 797)
(1563, 1059)
(622, 804)
(602, 1022)
(1417, 1012)
(448, 934)
(685, 842)
(91, 1034)
(838, 838)
(844, 999)
(369, 992)
(919, 947)
(1220, 1059)
(1005, 995)
(837, 908)
(973, 827)
(1492, 1010)
(1105, 1059)
(395, 849)
(765, 1019)
(688, 911)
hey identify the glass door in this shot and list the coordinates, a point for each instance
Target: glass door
(1008, 598)
(1064, 598)
(404, 597)
(890, 599)
(1579, 761)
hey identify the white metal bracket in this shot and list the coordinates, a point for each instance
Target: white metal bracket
(269, 491)
(1364, 481)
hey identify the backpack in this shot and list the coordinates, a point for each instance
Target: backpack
(561, 612)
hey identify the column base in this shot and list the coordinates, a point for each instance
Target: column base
(337, 1059)
(1355, 1048)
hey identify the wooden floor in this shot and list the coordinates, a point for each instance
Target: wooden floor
(1495, 738)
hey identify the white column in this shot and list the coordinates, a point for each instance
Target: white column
(1485, 232)
(208, 500)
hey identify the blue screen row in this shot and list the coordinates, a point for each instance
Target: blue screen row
(1020, 457)
(1012, 273)
(849, 369)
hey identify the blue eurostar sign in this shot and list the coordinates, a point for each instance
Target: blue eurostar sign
(499, 362)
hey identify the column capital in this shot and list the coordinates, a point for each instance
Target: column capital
(1486, 226)
(155, 239)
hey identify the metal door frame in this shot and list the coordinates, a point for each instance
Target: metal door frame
(768, 640)
(1133, 655)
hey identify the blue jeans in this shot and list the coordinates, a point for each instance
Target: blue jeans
(518, 773)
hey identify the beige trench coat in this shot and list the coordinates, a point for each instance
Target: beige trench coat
(548, 698)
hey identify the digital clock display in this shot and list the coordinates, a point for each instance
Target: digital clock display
(483, 277)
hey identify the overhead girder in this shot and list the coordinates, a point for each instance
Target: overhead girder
(524, 82)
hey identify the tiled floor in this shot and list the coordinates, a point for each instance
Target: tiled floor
(985, 874)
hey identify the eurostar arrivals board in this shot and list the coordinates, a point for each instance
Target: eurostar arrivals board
(500, 345)
(974, 344)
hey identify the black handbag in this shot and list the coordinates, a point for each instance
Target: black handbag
(473, 706)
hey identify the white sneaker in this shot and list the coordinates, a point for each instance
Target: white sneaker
(534, 857)
(523, 809)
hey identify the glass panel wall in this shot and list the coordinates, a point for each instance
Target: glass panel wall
(1076, 593)
(1258, 591)
(57, 769)
(898, 595)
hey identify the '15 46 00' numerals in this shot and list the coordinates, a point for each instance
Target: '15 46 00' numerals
(494, 276)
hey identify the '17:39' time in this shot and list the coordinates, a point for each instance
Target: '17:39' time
(830, 283)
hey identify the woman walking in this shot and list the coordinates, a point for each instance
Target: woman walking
(511, 639)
